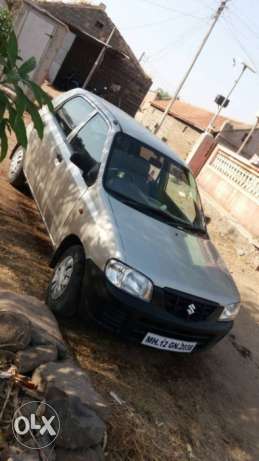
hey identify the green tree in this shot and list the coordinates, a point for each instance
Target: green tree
(162, 94)
(14, 83)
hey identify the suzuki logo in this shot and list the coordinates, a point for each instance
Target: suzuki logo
(191, 309)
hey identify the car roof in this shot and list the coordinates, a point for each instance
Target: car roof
(127, 123)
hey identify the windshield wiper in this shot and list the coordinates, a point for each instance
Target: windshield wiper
(178, 223)
(151, 210)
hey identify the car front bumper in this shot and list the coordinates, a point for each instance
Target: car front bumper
(132, 318)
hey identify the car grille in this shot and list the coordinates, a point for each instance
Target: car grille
(191, 308)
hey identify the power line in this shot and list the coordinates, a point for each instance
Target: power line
(184, 35)
(246, 23)
(231, 31)
(157, 23)
(215, 17)
(164, 7)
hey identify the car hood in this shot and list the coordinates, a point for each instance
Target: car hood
(172, 258)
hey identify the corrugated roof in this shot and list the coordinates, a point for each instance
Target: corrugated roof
(196, 116)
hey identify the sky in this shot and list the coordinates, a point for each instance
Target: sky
(170, 31)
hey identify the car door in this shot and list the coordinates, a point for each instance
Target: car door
(44, 156)
(66, 181)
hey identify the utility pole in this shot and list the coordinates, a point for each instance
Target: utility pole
(142, 56)
(99, 59)
(215, 116)
(250, 134)
(203, 43)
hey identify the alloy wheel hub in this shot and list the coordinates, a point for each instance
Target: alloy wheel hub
(62, 277)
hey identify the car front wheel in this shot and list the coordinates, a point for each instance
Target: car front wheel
(63, 294)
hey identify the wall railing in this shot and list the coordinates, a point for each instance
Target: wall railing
(238, 171)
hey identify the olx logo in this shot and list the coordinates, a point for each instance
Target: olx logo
(33, 429)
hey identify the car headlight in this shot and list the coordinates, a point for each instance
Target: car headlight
(230, 311)
(129, 280)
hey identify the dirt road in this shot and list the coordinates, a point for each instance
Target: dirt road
(204, 407)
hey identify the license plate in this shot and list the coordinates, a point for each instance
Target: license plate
(168, 344)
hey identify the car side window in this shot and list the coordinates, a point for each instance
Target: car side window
(88, 144)
(72, 113)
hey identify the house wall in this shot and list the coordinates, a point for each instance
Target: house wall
(233, 138)
(234, 184)
(40, 36)
(116, 70)
(126, 72)
(145, 105)
(178, 135)
(60, 56)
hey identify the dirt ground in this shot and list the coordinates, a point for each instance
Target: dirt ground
(203, 407)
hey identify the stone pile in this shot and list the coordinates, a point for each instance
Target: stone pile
(31, 341)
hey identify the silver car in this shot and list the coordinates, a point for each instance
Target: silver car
(125, 218)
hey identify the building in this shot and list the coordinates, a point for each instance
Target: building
(185, 123)
(67, 38)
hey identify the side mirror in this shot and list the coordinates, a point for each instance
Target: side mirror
(78, 160)
(91, 176)
(90, 171)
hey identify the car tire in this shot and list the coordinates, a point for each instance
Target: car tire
(15, 173)
(64, 290)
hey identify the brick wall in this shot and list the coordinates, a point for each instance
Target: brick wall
(180, 137)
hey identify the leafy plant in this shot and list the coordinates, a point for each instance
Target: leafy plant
(162, 94)
(14, 82)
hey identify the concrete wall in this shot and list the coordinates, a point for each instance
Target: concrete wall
(40, 36)
(234, 184)
(60, 56)
(179, 136)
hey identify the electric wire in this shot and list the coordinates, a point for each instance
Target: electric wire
(187, 35)
(183, 13)
(230, 28)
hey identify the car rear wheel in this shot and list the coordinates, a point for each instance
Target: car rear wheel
(15, 174)
(64, 290)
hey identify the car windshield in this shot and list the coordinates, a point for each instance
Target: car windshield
(153, 183)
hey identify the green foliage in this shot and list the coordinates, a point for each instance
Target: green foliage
(5, 25)
(162, 94)
(14, 81)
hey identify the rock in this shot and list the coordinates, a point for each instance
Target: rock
(31, 358)
(15, 331)
(44, 327)
(18, 454)
(80, 427)
(93, 454)
(241, 252)
(73, 381)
